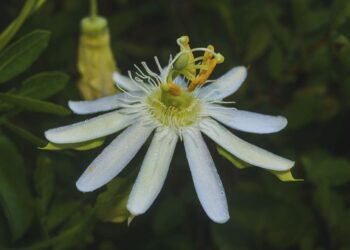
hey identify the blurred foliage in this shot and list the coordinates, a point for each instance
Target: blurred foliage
(111, 204)
(298, 53)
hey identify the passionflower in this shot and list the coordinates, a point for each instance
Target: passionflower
(179, 103)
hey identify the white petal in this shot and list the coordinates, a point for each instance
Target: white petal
(205, 177)
(105, 103)
(125, 82)
(114, 158)
(93, 128)
(153, 171)
(225, 86)
(245, 120)
(243, 150)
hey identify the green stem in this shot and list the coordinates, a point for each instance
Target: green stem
(7, 35)
(93, 9)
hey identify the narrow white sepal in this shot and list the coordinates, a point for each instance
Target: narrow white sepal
(114, 158)
(105, 103)
(246, 121)
(153, 171)
(125, 82)
(205, 177)
(225, 86)
(93, 128)
(243, 150)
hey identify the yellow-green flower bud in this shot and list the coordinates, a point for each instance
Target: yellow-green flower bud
(95, 60)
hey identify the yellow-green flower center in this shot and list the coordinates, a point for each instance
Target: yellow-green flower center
(173, 110)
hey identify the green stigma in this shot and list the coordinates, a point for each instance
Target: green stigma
(196, 70)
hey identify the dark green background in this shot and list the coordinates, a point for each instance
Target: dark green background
(298, 56)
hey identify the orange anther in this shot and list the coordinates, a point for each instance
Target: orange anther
(203, 75)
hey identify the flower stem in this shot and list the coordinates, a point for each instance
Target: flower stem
(93, 9)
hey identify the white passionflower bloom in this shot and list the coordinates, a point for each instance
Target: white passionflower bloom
(175, 104)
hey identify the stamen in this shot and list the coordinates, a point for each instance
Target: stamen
(208, 55)
(184, 64)
(220, 58)
(210, 61)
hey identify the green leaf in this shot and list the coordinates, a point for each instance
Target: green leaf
(259, 41)
(170, 214)
(72, 237)
(25, 134)
(22, 54)
(275, 62)
(330, 205)
(38, 4)
(31, 104)
(264, 209)
(316, 20)
(340, 12)
(29, 7)
(281, 175)
(40, 86)
(44, 85)
(342, 49)
(111, 204)
(15, 198)
(315, 103)
(5, 235)
(81, 146)
(44, 181)
(231, 235)
(324, 169)
(59, 213)
(260, 217)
